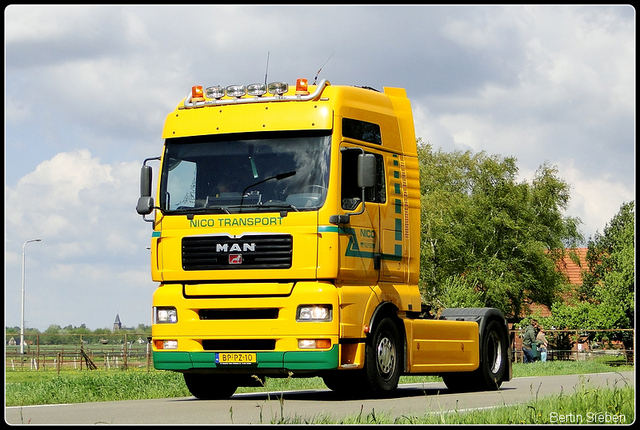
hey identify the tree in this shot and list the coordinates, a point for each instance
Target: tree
(487, 239)
(51, 335)
(606, 299)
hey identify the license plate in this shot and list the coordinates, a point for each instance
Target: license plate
(236, 358)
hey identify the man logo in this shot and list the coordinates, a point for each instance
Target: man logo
(235, 258)
(246, 247)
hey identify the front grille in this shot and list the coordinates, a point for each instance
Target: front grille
(239, 314)
(228, 253)
(239, 345)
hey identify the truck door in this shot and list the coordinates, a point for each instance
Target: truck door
(394, 222)
(360, 239)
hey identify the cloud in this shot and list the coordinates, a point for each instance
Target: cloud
(596, 198)
(93, 242)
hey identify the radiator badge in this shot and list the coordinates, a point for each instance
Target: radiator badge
(246, 247)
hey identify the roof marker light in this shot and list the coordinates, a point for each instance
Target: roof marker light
(302, 86)
(196, 92)
(215, 92)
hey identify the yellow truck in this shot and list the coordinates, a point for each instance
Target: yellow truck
(286, 242)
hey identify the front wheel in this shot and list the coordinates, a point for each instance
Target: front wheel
(207, 386)
(383, 358)
(345, 382)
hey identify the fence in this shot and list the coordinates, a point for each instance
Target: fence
(581, 345)
(132, 350)
(46, 351)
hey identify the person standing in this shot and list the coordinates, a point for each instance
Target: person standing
(528, 340)
(543, 344)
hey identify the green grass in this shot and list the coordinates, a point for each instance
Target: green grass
(74, 386)
(584, 406)
(551, 368)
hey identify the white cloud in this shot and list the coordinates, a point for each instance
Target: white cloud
(595, 199)
(93, 242)
(63, 177)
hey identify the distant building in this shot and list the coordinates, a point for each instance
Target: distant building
(117, 324)
(573, 273)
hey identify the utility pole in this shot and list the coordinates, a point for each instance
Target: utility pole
(22, 313)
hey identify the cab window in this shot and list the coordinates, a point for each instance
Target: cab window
(351, 195)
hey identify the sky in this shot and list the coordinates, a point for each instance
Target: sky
(87, 90)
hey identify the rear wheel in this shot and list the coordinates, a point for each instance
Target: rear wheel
(208, 386)
(493, 356)
(493, 364)
(383, 358)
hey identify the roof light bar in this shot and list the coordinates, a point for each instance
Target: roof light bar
(213, 96)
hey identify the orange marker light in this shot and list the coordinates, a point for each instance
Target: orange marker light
(323, 343)
(302, 86)
(196, 92)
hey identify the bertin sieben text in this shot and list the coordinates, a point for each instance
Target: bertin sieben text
(588, 418)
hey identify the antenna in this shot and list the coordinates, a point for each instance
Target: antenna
(319, 70)
(267, 69)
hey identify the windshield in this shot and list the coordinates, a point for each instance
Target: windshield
(267, 172)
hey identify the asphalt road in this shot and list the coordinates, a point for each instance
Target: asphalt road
(411, 400)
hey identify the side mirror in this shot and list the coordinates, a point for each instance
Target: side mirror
(145, 202)
(366, 170)
(145, 205)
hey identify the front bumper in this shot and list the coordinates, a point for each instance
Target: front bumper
(263, 322)
(266, 361)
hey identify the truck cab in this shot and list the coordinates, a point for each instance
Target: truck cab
(286, 241)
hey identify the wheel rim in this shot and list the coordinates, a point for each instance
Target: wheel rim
(495, 351)
(386, 357)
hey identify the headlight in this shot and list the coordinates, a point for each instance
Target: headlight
(166, 344)
(314, 343)
(236, 90)
(214, 92)
(166, 315)
(322, 313)
(278, 88)
(256, 89)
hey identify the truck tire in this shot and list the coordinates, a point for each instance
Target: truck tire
(383, 359)
(348, 383)
(493, 363)
(494, 355)
(206, 386)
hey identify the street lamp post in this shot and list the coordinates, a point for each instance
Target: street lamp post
(22, 313)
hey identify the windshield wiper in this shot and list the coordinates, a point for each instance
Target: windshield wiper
(269, 206)
(278, 177)
(211, 209)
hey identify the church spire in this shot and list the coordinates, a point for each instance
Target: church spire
(117, 324)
